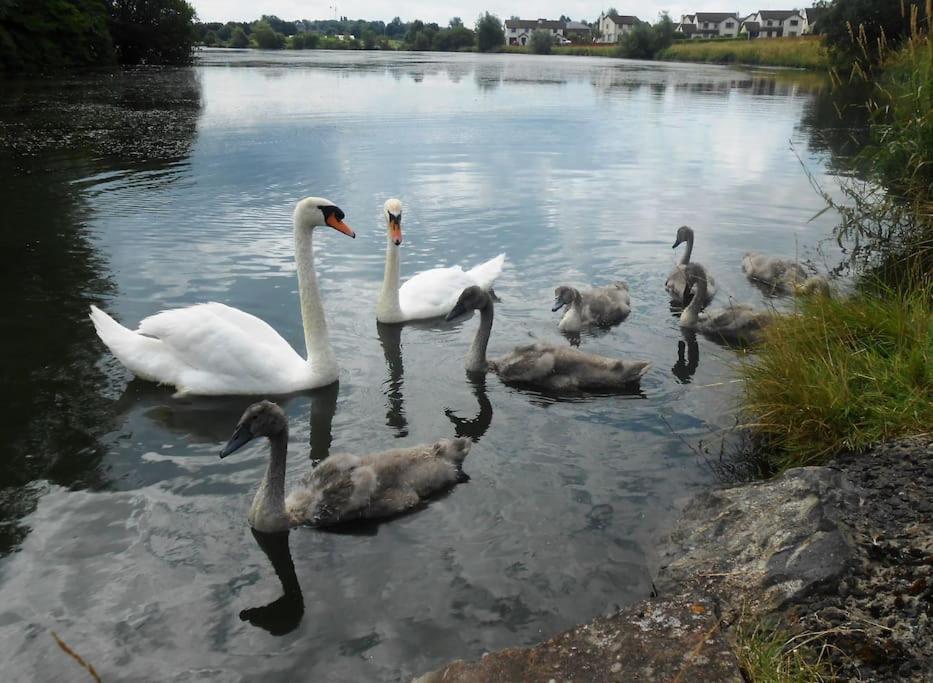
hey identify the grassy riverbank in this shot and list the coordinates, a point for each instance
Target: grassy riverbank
(803, 53)
(845, 373)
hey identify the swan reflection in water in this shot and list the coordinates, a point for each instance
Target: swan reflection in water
(207, 419)
(283, 614)
(476, 427)
(390, 337)
(685, 368)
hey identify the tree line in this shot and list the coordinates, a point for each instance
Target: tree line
(269, 32)
(49, 34)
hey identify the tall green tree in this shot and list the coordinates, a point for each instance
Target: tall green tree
(152, 31)
(489, 33)
(239, 38)
(36, 34)
(266, 38)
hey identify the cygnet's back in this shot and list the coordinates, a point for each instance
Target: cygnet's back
(345, 487)
(564, 368)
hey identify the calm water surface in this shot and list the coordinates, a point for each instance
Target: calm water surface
(122, 530)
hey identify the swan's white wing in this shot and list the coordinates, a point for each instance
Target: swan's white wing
(433, 293)
(224, 343)
(486, 273)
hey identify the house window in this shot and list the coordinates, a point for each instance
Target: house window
(730, 25)
(793, 22)
(705, 24)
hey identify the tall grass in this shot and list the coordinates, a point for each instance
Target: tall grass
(843, 374)
(803, 53)
(767, 654)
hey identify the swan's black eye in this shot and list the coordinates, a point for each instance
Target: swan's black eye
(332, 210)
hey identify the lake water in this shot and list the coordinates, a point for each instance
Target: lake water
(123, 532)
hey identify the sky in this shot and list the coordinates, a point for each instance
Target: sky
(468, 10)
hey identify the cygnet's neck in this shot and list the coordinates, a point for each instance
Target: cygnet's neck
(572, 320)
(691, 314)
(268, 510)
(476, 358)
(685, 259)
(320, 355)
(388, 309)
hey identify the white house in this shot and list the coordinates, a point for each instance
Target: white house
(709, 25)
(518, 31)
(613, 27)
(768, 23)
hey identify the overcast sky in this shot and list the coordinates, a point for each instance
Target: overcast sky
(441, 12)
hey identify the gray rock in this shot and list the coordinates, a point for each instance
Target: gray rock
(771, 543)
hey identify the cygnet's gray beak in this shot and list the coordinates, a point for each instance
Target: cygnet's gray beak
(558, 304)
(455, 312)
(676, 243)
(241, 437)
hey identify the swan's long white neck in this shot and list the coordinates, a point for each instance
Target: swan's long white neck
(268, 510)
(476, 358)
(691, 314)
(685, 259)
(320, 355)
(388, 309)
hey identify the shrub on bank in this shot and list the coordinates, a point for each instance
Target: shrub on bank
(843, 374)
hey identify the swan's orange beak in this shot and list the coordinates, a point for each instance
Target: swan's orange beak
(395, 230)
(339, 225)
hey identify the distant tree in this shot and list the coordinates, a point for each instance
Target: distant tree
(395, 28)
(239, 38)
(541, 42)
(612, 12)
(286, 28)
(845, 20)
(489, 33)
(369, 38)
(211, 39)
(152, 31)
(266, 38)
(564, 18)
(456, 22)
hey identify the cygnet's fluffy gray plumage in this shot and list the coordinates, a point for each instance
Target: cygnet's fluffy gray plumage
(736, 324)
(780, 275)
(601, 306)
(545, 366)
(676, 284)
(343, 487)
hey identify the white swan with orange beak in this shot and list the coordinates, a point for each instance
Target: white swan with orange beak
(431, 293)
(214, 349)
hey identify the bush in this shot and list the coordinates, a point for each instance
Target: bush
(863, 30)
(490, 35)
(304, 41)
(152, 31)
(266, 38)
(541, 42)
(645, 41)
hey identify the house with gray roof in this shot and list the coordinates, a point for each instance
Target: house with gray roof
(709, 25)
(776, 23)
(613, 26)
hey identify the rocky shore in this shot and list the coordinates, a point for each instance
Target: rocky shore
(841, 554)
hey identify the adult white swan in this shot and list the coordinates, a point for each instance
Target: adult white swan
(213, 349)
(431, 293)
